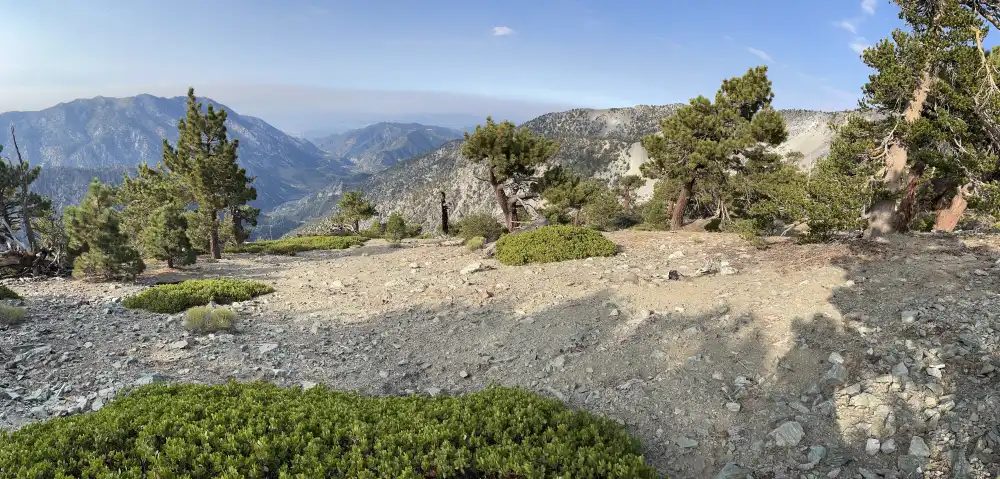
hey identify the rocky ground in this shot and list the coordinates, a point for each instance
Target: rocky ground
(842, 360)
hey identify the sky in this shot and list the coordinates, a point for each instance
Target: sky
(300, 63)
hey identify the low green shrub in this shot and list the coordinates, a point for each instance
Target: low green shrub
(11, 315)
(260, 430)
(204, 320)
(290, 246)
(479, 224)
(7, 293)
(174, 298)
(553, 243)
(475, 243)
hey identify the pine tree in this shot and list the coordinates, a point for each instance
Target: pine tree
(395, 228)
(627, 187)
(149, 189)
(205, 160)
(926, 84)
(165, 236)
(511, 156)
(704, 142)
(567, 192)
(19, 206)
(352, 209)
(100, 248)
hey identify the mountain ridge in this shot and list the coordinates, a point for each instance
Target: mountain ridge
(380, 145)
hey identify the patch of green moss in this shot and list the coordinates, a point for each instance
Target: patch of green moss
(553, 243)
(174, 298)
(260, 430)
(291, 246)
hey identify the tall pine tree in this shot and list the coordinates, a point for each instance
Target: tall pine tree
(165, 236)
(205, 160)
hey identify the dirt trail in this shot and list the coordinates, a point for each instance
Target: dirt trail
(795, 361)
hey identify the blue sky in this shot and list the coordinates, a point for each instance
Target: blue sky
(271, 58)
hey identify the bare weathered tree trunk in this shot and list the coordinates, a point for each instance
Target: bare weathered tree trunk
(883, 218)
(948, 218)
(213, 239)
(501, 195)
(677, 218)
(444, 215)
(25, 217)
(908, 203)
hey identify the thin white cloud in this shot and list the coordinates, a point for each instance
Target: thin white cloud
(847, 25)
(760, 53)
(502, 31)
(868, 6)
(859, 45)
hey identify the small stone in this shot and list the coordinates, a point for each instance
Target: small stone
(614, 313)
(471, 268)
(463, 374)
(816, 454)
(788, 434)
(864, 400)
(873, 446)
(836, 358)
(889, 446)
(150, 378)
(900, 370)
(733, 471)
(383, 374)
(267, 347)
(837, 374)
(733, 406)
(559, 361)
(686, 443)
(909, 317)
(919, 448)
(97, 404)
(676, 255)
(728, 271)
(182, 344)
(307, 385)
(433, 392)
(337, 285)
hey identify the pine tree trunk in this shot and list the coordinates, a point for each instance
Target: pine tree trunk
(947, 218)
(908, 204)
(502, 199)
(213, 239)
(170, 262)
(883, 217)
(677, 219)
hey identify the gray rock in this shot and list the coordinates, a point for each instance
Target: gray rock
(919, 448)
(733, 406)
(150, 378)
(909, 317)
(676, 255)
(728, 271)
(433, 392)
(471, 268)
(267, 347)
(910, 464)
(97, 404)
(889, 446)
(873, 446)
(182, 344)
(686, 443)
(788, 434)
(559, 361)
(307, 385)
(836, 374)
(864, 400)
(733, 471)
(900, 370)
(836, 358)
(816, 453)
(463, 374)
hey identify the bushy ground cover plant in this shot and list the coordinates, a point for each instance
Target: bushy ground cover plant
(291, 246)
(553, 243)
(204, 320)
(479, 224)
(174, 298)
(7, 293)
(11, 315)
(259, 430)
(475, 243)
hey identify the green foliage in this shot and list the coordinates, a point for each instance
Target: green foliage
(373, 231)
(260, 430)
(150, 189)
(511, 156)
(101, 248)
(479, 224)
(174, 298)
(475, 243)
(656, 211)
(11, 315)
(199, 232)
(704, 144)
(165, 236)
(204, 320)
(205, 161)
(553, 243)
(291, 246)
(626, 188)
(7, 293)
(352, 209)
(602, 211)
(567, 193)
(19, 207)
(395, 228)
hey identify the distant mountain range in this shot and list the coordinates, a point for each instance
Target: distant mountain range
(106, 137)
(379, 146)
(598, 143)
